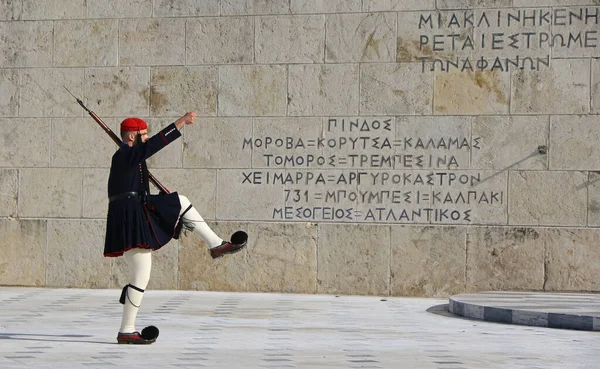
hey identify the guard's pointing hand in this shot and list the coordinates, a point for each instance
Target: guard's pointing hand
(190, 118)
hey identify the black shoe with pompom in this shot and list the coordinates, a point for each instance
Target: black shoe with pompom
(238, 242)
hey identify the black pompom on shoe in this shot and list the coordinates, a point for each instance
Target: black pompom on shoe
(239, 238)
(150, 333)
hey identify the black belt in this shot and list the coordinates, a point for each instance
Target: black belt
(122, 196)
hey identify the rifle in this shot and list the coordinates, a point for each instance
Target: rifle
(117, 140)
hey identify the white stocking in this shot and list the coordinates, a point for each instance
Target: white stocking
(192, 217)
(140, 263)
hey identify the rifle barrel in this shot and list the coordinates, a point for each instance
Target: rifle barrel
(117, 140)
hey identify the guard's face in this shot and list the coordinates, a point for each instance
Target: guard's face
(144, 134)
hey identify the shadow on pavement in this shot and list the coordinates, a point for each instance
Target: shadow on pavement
(444, 311)
(50, 338)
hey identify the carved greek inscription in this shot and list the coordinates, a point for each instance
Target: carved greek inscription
(396, 197)
(352, 138)
(503, 31)
(361, 170)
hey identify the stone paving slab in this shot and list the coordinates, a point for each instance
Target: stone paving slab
(554, 310)
(75, 328)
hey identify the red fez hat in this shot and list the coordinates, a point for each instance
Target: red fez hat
(133, 125)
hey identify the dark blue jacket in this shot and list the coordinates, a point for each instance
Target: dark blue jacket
(142, 221)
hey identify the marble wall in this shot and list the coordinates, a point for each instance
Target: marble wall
(378, 147)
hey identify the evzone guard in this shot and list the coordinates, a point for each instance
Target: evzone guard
(139, 223)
